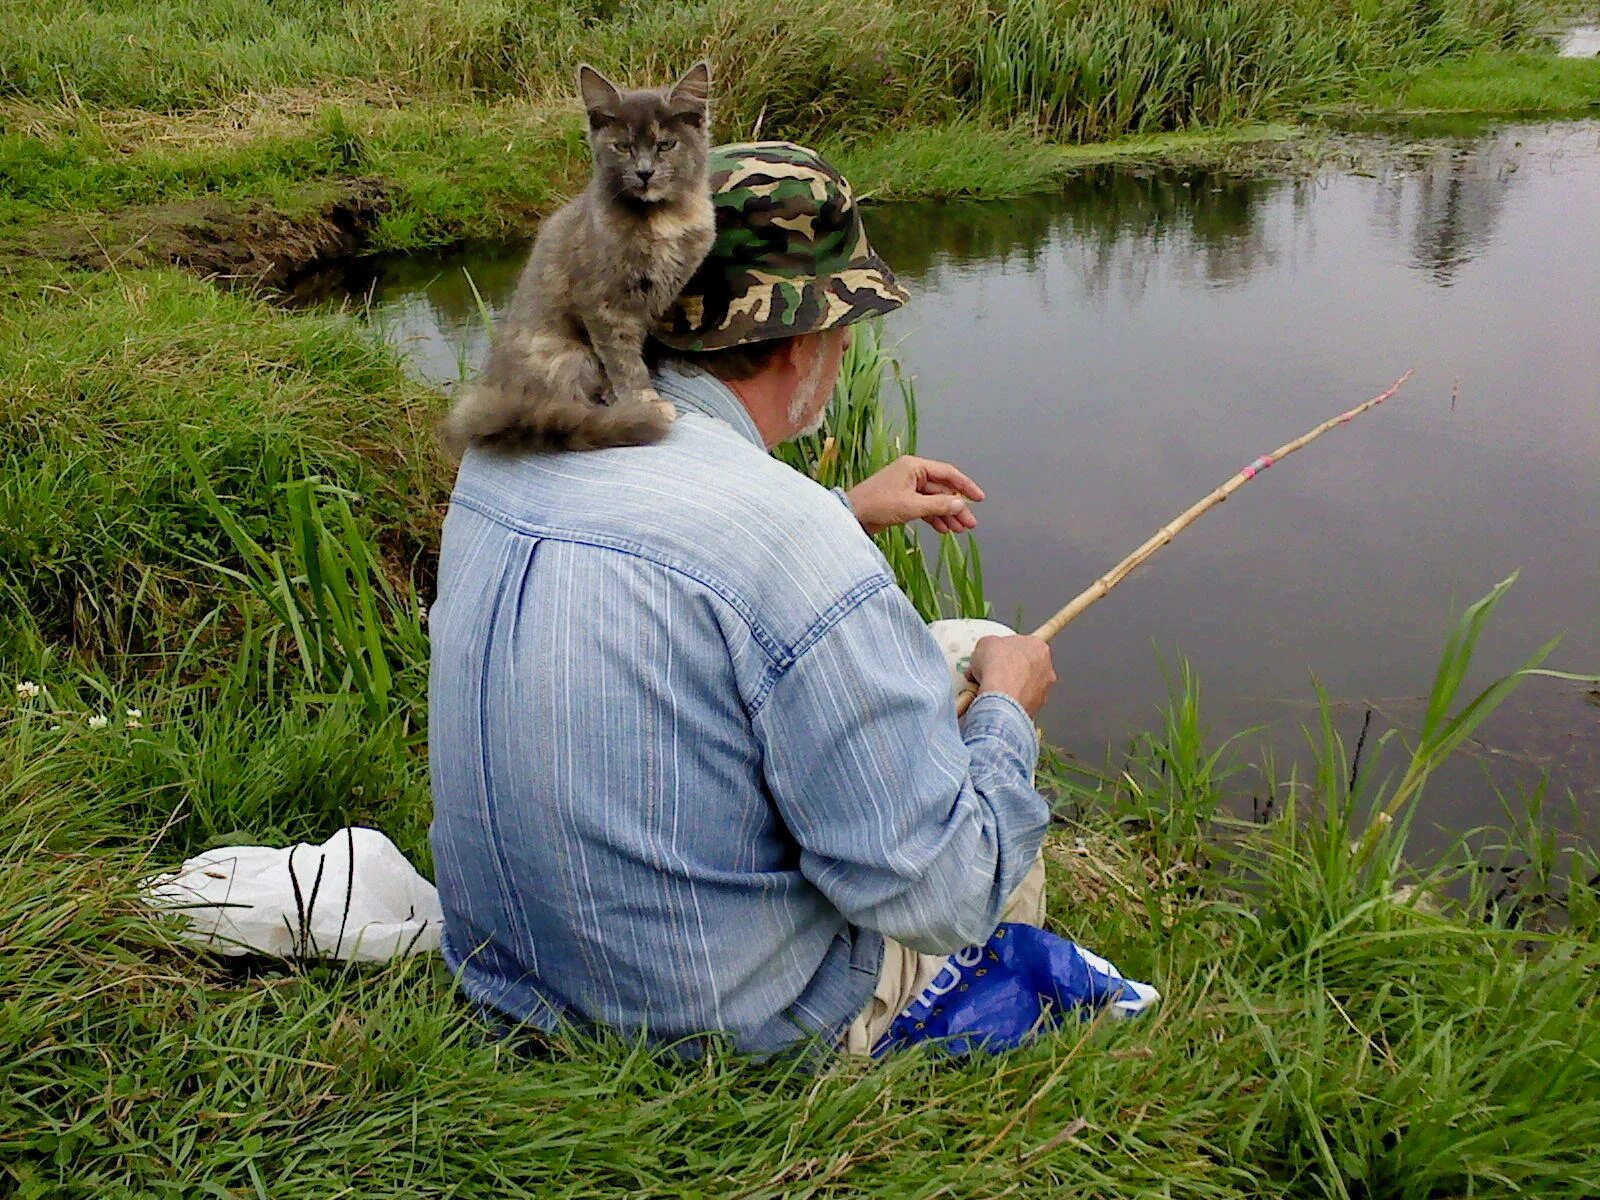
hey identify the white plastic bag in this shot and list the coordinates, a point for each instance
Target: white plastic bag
(355, 897)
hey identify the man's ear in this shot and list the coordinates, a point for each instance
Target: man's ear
(796, 354)
(689, 97)
(600, 96)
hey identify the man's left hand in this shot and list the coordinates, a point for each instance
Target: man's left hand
(911, 489)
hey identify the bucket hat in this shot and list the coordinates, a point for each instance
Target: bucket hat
(790, 257)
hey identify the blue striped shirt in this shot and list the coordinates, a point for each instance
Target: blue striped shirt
(693, 753)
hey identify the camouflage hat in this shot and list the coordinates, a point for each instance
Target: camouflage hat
(791, 255)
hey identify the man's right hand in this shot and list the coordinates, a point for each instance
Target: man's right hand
(1018, 667)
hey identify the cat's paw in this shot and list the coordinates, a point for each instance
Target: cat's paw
(653, 398)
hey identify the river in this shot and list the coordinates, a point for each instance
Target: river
(1100, 357)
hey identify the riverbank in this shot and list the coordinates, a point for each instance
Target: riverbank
(177, 457)
(257, 149)
(270, 186)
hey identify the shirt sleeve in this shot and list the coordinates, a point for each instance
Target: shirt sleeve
(910, 825)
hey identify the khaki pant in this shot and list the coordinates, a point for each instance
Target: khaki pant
(906, 972)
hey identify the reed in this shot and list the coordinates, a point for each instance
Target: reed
(1080, 71)
(1077, 69)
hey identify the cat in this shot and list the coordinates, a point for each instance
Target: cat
(566, 368)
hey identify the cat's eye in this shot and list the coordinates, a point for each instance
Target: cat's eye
(666, 144)
(621, 147)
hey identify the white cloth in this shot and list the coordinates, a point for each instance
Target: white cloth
(355, 897)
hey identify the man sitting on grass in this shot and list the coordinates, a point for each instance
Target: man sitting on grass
(696, 766)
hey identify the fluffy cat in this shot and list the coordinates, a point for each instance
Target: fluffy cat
(566, 370)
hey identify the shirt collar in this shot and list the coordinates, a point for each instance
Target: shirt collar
(693, 389)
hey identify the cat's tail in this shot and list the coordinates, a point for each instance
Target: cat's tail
(487, 415)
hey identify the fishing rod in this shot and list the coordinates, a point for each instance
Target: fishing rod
(1075, 607)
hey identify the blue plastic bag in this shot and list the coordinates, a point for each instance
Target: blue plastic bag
(1020, 982)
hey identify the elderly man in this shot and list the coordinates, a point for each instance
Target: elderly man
(696, 766)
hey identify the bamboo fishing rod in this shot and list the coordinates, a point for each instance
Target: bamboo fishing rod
(1075, 607)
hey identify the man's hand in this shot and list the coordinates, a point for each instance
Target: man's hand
(912, 488)
(1019, 667)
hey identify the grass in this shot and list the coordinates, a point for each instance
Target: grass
(1335, 1023)
(1497, 83)
(218, 521)
(108, 375)
(975, 161)
(119, 118)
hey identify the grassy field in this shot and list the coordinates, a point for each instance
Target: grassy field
(178, 455)
(140, 135)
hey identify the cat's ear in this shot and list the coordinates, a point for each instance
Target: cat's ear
(689, 96)
(600, 95)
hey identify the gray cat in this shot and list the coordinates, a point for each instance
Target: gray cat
(566, 369)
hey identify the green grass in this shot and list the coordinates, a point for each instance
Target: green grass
(972, 160)
(1103, 67)
(107, 374)
(222, 515)
(1334, 1023)
(1497, 83)
(460, 110)
(1085, 71)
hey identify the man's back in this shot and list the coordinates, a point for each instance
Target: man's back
(631, 649)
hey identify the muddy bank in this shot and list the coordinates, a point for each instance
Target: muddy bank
(255, 243)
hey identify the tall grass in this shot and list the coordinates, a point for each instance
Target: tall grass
(102, 532)
(1078, 69)
(459, 114)
(1083, 71)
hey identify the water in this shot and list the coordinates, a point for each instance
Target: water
(1100, 358)
(1581, 41)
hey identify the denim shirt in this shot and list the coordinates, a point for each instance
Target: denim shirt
(693, 753)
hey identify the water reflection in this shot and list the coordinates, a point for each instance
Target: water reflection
(1119, 220)
(1106, 365)
(1581, 41)
(428, 305)
(1443, 198)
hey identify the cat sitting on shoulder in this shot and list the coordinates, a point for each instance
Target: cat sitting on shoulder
(566, 368)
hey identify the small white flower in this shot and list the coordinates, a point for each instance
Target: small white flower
(133, 723)
(98, 722)
(28, 690)
(134, 714)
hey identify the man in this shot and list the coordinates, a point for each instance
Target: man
(696, 767)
